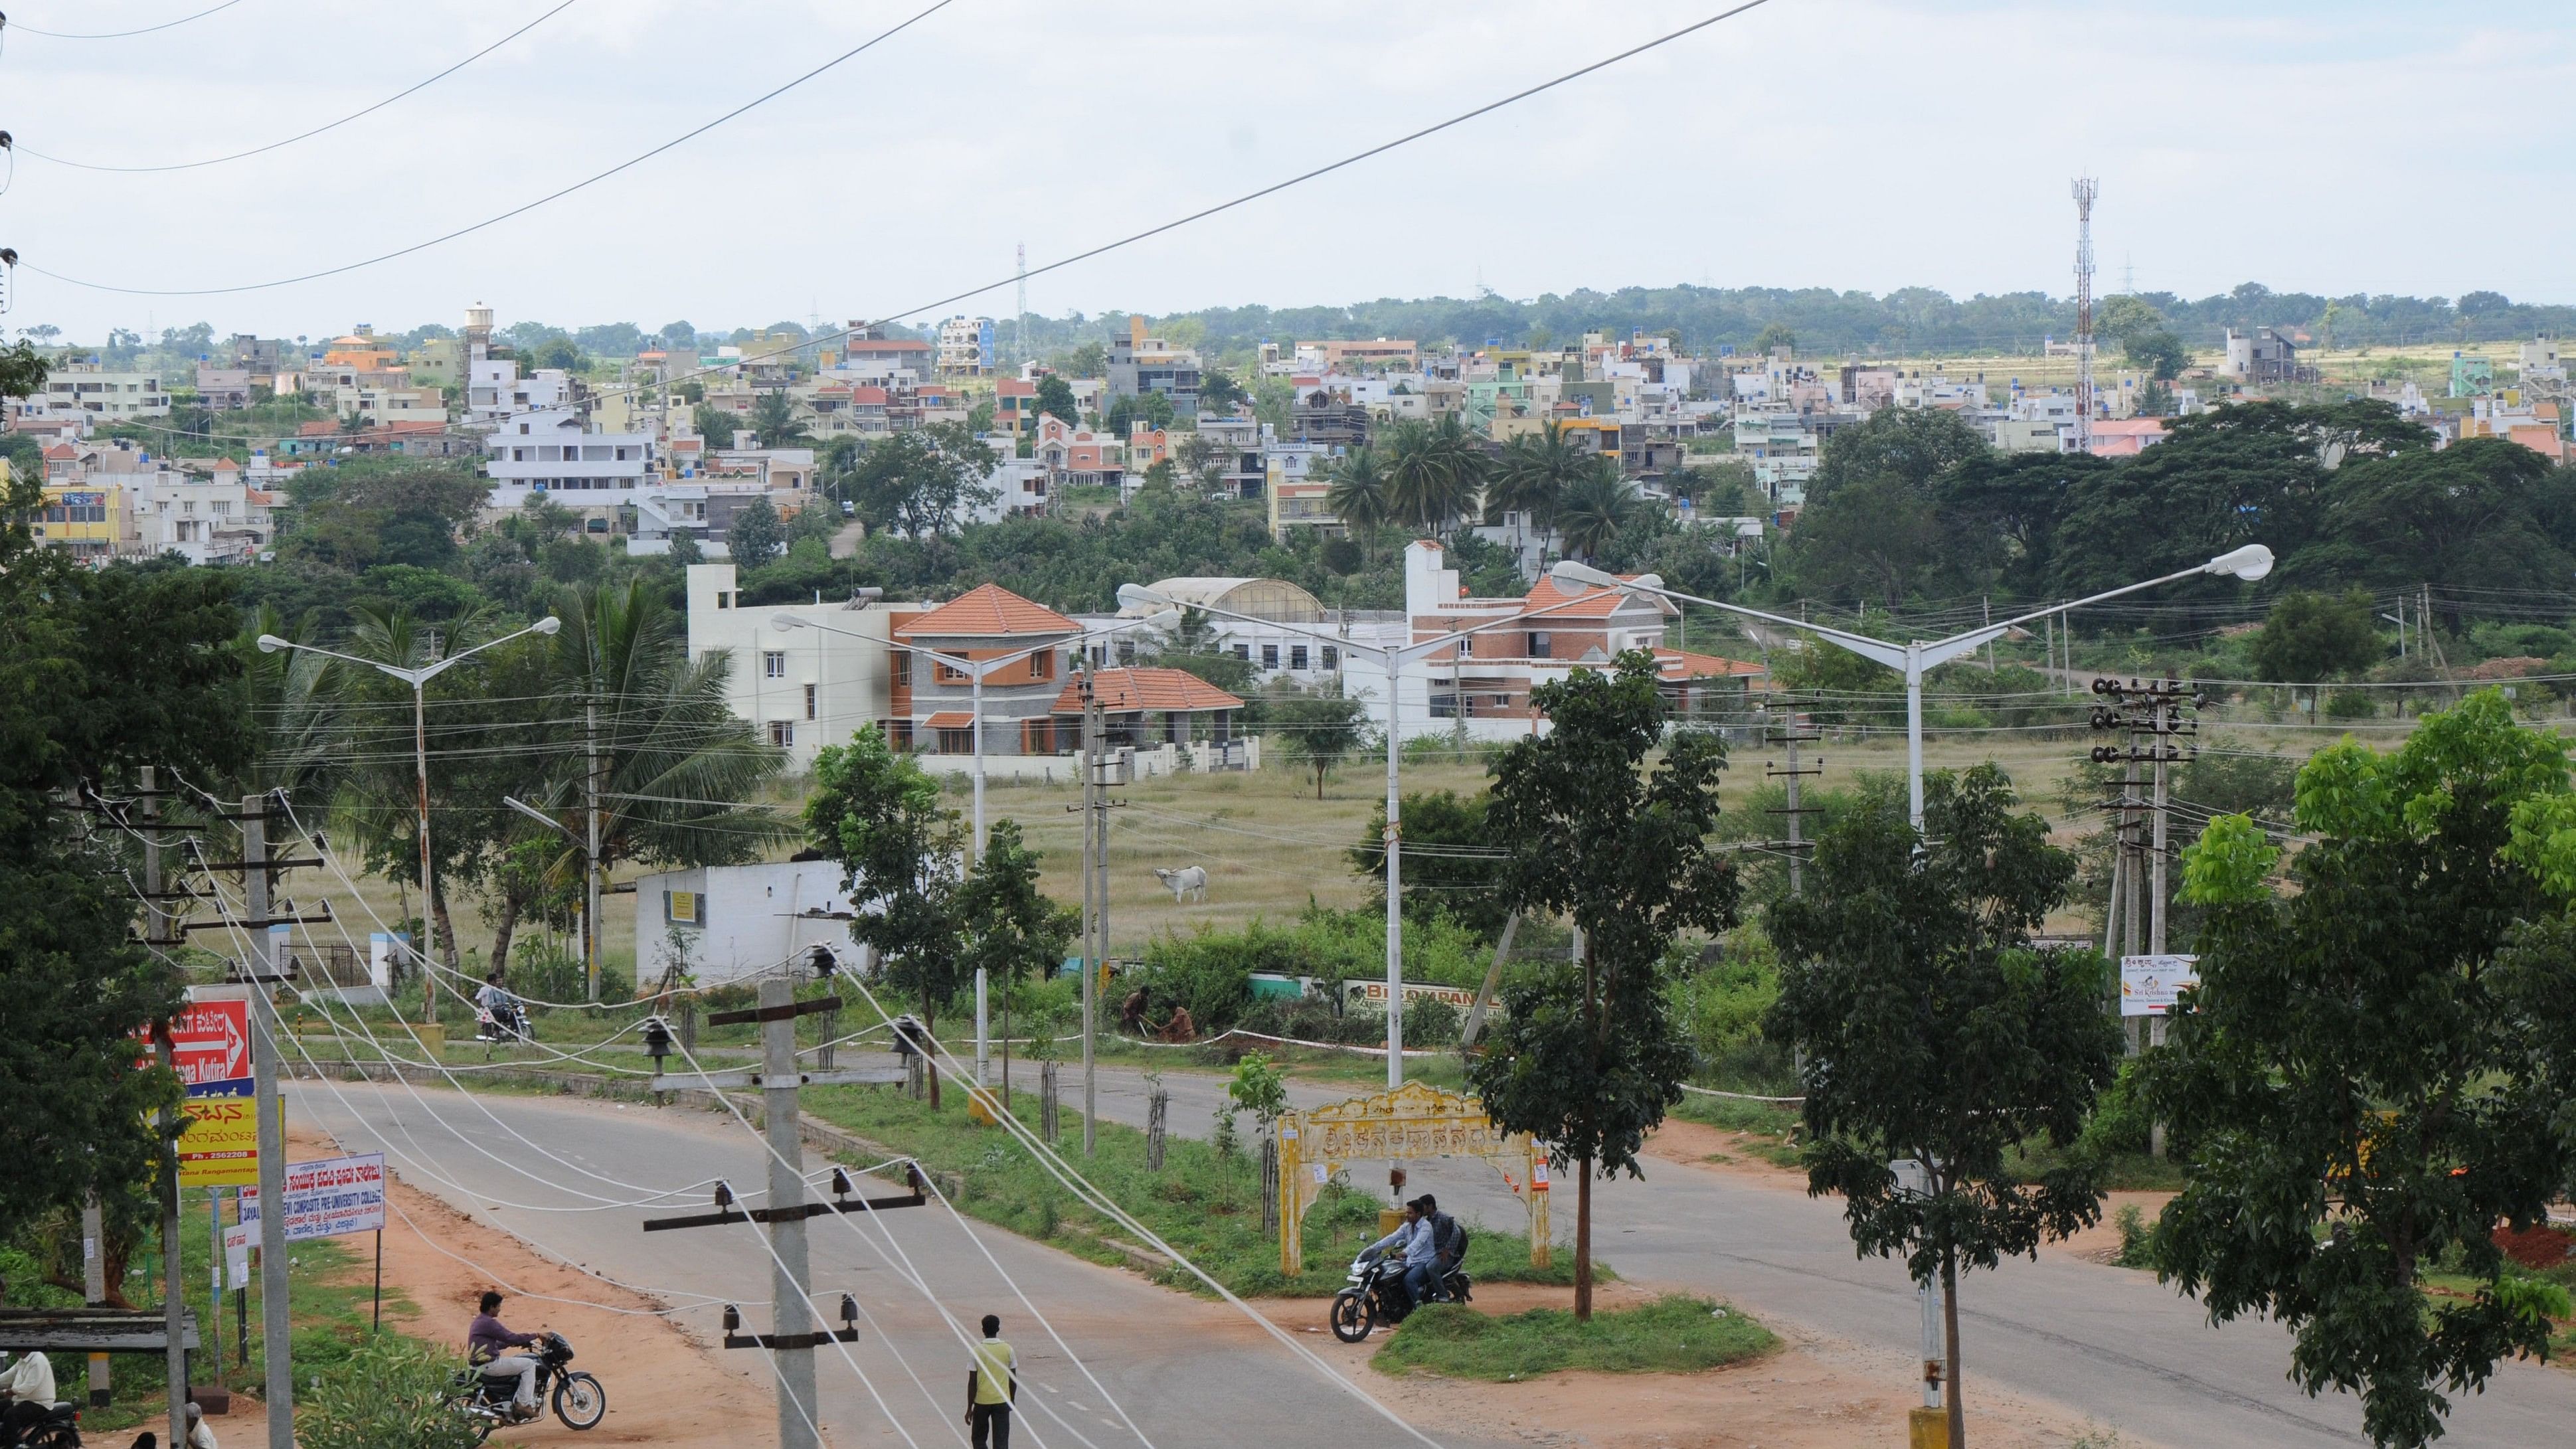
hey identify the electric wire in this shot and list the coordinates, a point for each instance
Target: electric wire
(122, 34)
(326, 126)
(592, 180)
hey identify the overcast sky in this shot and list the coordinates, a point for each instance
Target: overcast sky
(2334, 147)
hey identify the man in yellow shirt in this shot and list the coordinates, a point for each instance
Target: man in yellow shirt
(991, 1386)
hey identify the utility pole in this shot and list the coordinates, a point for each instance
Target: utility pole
(590, 861)
(1796, 734)
(793, 1338)
(260, 972)
(174, 1286)
(1095, 824)
(2151, 711)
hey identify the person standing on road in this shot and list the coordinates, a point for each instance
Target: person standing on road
(992, 1385)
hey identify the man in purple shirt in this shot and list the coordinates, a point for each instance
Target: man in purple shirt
(486, 1342)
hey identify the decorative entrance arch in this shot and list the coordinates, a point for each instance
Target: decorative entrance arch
(1412, 1121)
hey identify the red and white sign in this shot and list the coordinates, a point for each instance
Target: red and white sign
(210, 1043)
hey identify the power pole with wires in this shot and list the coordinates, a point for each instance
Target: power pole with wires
(780, 1078)
(1795, 846)
(2150, 714)
(590, 860)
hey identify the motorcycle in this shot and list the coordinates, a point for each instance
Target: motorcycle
(1376, 1295)
(504, 1023)
(577, 1397)
(58, 1429)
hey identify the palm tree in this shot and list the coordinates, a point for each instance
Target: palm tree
(293, 699)
(1358, 491)
(1595, 506)
(773, 417)
(1435, 472)
(1532, 476)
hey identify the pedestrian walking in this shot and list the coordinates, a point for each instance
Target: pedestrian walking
(991, 1387)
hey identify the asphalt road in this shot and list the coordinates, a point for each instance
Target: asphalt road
(2106, 1342)
(1189, 1371)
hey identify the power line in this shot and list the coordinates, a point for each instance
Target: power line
(593, 180)
(326, 126)
(122, 34)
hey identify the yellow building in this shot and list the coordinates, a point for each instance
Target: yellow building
(84, 519)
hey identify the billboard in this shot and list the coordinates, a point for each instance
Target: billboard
(329, 1197)
(2148, 983)
(220, 1145)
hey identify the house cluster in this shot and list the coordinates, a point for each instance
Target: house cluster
(111, 500)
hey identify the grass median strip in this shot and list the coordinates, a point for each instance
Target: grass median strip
(1676, 1334)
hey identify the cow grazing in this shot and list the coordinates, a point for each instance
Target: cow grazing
(1187, 883)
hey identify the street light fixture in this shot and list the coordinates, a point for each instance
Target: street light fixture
(2251, 562)
(1395, 659)
(974, 670)
(417, 679)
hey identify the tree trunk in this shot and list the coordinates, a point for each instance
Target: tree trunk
(442, 922)
(504, 929)
(1583, 1240)
(1950, 1346)
(1006, 1044)
(930, 1036)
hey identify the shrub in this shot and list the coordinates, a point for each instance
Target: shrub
(391, 1393)
(2351, 704)
(545, 971)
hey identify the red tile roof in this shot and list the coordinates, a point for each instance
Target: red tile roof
(1593, 604)
(950, 719)
(876, 395)
(984, 611)
(61, 453)
(1126, 691)
(1682, 664)
(1009, 387)
(316, 429)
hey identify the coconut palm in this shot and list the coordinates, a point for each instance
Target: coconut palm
(1595, 506)
(1358, 491)
(1435, 472)
(293, 698)
(1531, 477)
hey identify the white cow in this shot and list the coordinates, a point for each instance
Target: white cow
(1186, 883)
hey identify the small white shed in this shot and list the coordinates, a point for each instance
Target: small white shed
(733, 921)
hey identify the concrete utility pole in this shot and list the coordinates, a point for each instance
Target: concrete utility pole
(790, 1315)
(260, 971)
(1796, 734)
(174, 1286)
(590, 858)
(1095, 824)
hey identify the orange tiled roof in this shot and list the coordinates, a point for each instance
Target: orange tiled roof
(1683, 664)
(950, 719)
(1126, 691)
(1593, 604)
(61, 453)
(984, 610)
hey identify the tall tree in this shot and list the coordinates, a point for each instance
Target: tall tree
(878, 813)
(1934, 1031)
(1454, 873)
(1909, 445)
(1055, 397)
(1357, 491)
(774, 419)
(1435, 473)
(2373, 1071)
(924, 483)
(1532, 476)
(756, 535)
(1319, 727)
(1013, 932)
(1588, 1056)
(1597, 503)
(2311, 638)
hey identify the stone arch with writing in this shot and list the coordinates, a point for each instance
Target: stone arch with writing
(1411, 1121)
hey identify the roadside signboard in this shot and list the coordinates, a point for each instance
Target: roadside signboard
(328, 1198)
(220, 1146)
(2148, 983)
(236, 1264)
(1372, 994)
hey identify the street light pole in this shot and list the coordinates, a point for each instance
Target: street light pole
(974, 670)
(418, 679)
(1914, 659)
(1396, 660)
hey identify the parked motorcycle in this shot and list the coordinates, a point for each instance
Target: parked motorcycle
(577, 1397)
(1376, 1295)
(58, 1429)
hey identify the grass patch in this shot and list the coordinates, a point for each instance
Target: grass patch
(1677, 1334)
(1770, 1129)
(1205, 1205)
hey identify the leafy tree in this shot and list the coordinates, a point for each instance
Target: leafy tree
(1878, 539)
(1775, 335)
(1596, 504)
(399, 511)
(1088, 360)
(2310, 638)
(1219, 392)
(756, 535)
(1153, 409)
(2482, 513)
(1835, 685)
(713, 424)
(560, 353)
(1055, 396)
(1453, 875)
(2372, 1072)
(923, 483)
(1193, 646)
(878, 813)
(1909, 446)
(2159, 354)
(23, 370)
(1319, 727)
(1013, 931)
(2000, 513)
(2123, 317)
(774, 420)
(1933, 1030)
(1589, 1056)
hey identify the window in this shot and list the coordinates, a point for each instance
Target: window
(810, 701)
(957, 742)
(946, 673)
(773, 663)
(1332, 657)
(781, 733)
(1540, 644)
(1296, 656)
(1269, 656)
(1243, 652)
(1042, 665)
(1037, 737)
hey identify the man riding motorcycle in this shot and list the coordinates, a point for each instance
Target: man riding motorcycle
(1447, 1250)
(1411, 1241)
(27, 1387)
(486, 1345)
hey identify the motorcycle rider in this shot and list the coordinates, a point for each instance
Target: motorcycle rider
(500, 1005)
(1411, 1240)
(1426, 1283)
(28, 1389)
(485, 1342)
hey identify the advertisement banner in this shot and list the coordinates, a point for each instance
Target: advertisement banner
(1372, 994)
(2148, 983)
(328, 1198)
(210, 1045)
(220, 1145)
(236, 1263)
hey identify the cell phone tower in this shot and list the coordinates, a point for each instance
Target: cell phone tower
(2085, 190)
(1020, 330)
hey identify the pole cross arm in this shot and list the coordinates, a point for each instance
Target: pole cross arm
(92, 1330)
(790, 1340)
(882, 1075)
(775, 1013)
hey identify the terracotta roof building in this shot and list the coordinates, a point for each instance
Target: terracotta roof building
(1143, 706)
(934, 693)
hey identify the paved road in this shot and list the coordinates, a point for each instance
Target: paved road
(1189, 1371)
(2106, 1342)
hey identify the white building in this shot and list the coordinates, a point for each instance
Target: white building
(549, 452)
(966, 347)
(210, 518)
(801, 688)
(112, 396)
(494, 390)
(1275, 652)
(724, 923)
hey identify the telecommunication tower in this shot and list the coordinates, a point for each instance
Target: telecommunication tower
(2085, 189)
(1020, 331)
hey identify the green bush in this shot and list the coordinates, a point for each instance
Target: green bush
(1210, 971)
(546, 971)
(2352, 704)
(389, 1394)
